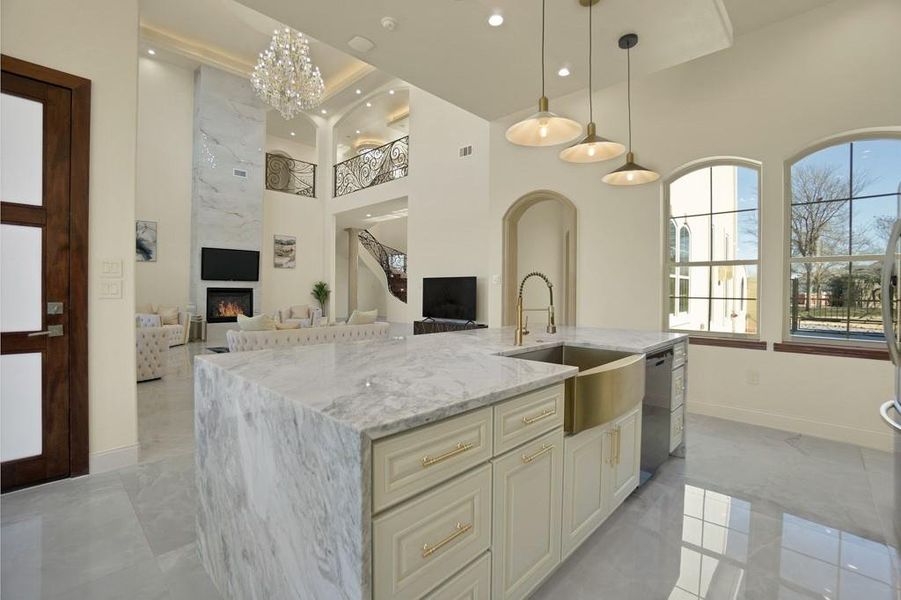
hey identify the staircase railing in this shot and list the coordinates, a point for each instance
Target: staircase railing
(291, 176)
(373, 167)
(392, 261)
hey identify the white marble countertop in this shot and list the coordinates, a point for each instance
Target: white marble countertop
(381, 387)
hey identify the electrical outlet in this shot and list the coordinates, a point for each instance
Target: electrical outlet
(753, 377)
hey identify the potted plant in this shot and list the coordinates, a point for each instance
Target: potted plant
(321, 292)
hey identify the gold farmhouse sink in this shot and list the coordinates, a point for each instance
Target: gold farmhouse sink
(609, 383)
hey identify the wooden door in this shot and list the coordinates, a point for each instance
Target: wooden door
(528, 489)
(43, 311)
(626, 459)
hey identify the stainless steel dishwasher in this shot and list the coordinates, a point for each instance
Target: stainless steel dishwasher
(656, 426)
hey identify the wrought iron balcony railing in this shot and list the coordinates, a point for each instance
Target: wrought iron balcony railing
(291, 176)
(392, 261)
(373, 167)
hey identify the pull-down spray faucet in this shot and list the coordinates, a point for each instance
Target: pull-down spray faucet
(551, 326)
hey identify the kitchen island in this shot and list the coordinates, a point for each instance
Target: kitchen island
(321, 469)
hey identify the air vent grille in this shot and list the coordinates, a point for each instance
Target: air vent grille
(465, 151)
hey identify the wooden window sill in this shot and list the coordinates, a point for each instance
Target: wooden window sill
(727, 343)
(832, 350)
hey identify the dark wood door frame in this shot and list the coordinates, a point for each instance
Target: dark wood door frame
(77, 333)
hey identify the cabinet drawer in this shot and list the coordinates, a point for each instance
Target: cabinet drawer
(416, 545)
(677, 428)
(412, 462)
(679, 353)
(677, 394)
(519, 420)
(472, 583)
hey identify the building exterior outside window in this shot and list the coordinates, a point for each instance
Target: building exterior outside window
(713, 260)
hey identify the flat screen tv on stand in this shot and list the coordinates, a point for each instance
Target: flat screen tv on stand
(452, 298)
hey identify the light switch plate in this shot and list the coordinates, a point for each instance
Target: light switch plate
(111, 289)
(495, 280)
(111, 268)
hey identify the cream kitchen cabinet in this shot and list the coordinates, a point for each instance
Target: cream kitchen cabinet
(601, 467)
(525, 544)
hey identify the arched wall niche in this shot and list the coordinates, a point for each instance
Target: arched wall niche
(565, 311)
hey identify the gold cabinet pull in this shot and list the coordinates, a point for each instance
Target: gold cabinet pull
(548, 412)
(428, 461)
(459, 530)
(618, 440)
(527, 458)
(612, 456)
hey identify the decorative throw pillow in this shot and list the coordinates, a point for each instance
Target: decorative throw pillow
(168, 314)
(300, 311)
(145, 309)
(290, 325)
(363, 317)
(262, 322)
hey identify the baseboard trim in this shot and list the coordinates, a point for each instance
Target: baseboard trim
(877, 440)
(116, 458)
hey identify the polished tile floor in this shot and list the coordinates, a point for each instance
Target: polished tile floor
(752, 513)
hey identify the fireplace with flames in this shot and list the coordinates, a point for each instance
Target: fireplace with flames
(223, 305)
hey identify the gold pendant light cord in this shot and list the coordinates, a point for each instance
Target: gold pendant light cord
(590, 30)
(542, 48)
(629, 92)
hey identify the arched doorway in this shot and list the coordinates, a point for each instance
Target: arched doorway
(557, 233)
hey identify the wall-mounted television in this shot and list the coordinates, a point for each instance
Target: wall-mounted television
(223, 264)
(449, 298)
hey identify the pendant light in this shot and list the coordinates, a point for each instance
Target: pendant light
(630, 173)
(592, 148)
(544, 128)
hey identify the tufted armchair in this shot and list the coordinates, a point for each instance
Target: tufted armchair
(151, 344)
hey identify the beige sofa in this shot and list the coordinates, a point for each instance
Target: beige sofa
(176, 333)
(242, 341)
(151, 344)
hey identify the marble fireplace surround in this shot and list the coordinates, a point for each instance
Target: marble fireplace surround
(226, 207)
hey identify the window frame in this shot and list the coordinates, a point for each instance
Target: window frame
(813, 340)
(727, 161)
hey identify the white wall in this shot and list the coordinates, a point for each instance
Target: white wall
(775, 92)
(165, 139)
(298, 216)
(541, 247)
(98, 39)
(450, 223)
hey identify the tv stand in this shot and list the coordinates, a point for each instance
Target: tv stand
(430, 325)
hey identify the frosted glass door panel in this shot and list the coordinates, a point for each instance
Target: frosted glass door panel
(20, 278)
(20, 405)
(21, 150)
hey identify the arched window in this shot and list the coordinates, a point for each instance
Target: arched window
(842, 202)
(712, 209)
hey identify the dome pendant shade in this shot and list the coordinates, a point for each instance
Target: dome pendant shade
(543, 128)
(630, 173)
(592, 148)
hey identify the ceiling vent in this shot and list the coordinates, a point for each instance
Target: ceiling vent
(465, 151)
(360, 44)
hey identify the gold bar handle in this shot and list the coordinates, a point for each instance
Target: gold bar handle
(459, 530)
(612, 455)
(428, 461)
(548, 412)
(526, 458)
(618, 440)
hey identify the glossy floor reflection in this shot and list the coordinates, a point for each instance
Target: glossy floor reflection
(752, 513)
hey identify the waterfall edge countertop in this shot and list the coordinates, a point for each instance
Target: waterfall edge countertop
(382, 387)
(284, 440)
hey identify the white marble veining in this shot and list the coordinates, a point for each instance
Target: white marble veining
(226, 210)
(284, 440)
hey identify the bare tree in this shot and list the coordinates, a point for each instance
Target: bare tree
(816, 222)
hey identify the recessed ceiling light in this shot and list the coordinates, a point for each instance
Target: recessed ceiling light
(391, 92)
(358, 132)
(359, 91)
(151, 52)
(293, 134)
(369, 105)
(368, 214)
(496, 20)
(563, 72)
(323, 111)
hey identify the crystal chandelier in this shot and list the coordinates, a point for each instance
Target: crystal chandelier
(284, 76)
